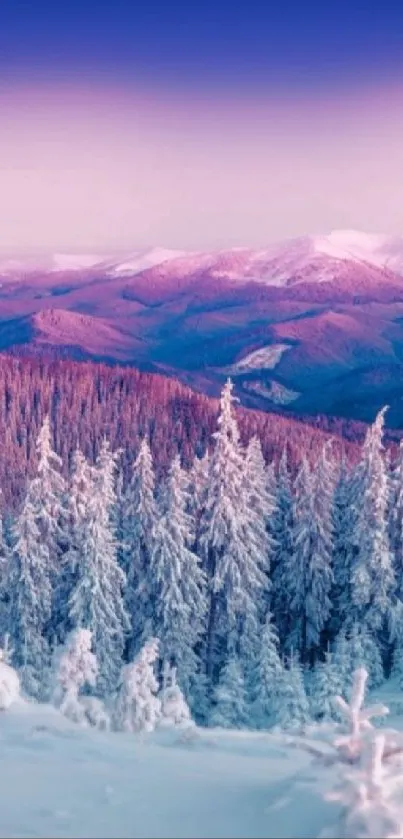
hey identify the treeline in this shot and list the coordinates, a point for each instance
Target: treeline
(85, 401)
(260, 582)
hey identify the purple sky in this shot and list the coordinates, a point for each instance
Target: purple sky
(202, 126)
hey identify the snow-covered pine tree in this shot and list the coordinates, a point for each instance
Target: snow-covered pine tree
(265, 678)
(79, 493)
(260, 501)
(229, 543)
(344, 545)
(75, 668)
(364, 652)
(282, 528)
(180, 597)
(175, 711)
(96, 602)
(30, 602)
(396, 544)
(293, 704)
(326, 683)
(5, 554)
(47, 493)
(138, 537)
(372, 574)
(309, 573)
(137, 706)
(230, 707)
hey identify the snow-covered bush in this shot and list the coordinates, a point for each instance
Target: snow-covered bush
(293, 705)
(230, 706)
(9, 680)
(75, 667)
(175, 711)
(137, 707)
(95, 713)
(370, 787)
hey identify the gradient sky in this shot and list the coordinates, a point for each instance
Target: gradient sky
(197, 125)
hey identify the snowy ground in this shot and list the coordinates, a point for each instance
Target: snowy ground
(63, 781)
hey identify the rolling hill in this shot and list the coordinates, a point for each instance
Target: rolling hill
(313, 325)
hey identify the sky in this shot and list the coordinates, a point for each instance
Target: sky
(198, 124)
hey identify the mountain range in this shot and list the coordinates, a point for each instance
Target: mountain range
(313, 325)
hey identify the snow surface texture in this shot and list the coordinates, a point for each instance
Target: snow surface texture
(65, 781)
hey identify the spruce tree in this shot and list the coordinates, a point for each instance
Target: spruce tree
(138, 537)
(309, 573)
(229, 708)
(180, 600)
(265, 678)
(293, 705)
(30, 602)
(96, 602)
(229, 543)
(372, 574)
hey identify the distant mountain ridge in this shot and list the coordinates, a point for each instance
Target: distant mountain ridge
(311, 325)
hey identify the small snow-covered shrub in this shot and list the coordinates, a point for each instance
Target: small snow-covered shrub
(95, 712)
(175, 711)
(9, 680)
(137, 707)
(75, 667)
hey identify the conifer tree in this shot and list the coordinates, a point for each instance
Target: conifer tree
(180, 604)
(139, 524)
(137, 706)
(309, 574)
(266, 676)
(229, 542)
(372, 575)
(344, 546)
(326, 683)
(30, 602)
(47, 493)
(283, 529)
(229, 700)
(96, 602)
(293, 705)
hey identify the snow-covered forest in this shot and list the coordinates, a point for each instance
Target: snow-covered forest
(233, 591)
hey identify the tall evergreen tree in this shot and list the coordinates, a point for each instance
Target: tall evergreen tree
(263, 689)
(229, 543)
(180, 599)
(310, 574)
(48, 497)
(79, 493)
(372, 574)
(282, 528)
(96, 602)
(396, 544)
(30, 602)
(344, 546)
(139, 524)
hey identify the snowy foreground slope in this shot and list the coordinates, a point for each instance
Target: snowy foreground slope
(63, 781)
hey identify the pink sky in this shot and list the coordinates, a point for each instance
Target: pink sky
(100, 169)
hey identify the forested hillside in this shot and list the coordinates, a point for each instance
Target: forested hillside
(85, 401)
